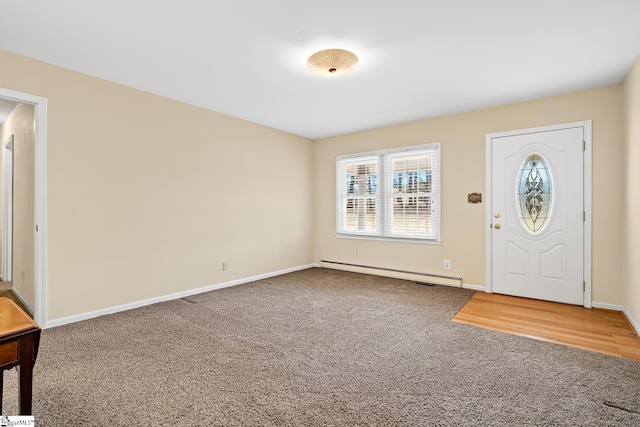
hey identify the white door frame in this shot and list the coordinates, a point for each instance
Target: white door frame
(586, 126)
(40, 202)
(7, 236)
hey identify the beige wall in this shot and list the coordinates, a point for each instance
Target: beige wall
(20, 125)
(462, 139)
(148, 196)
(631, 197)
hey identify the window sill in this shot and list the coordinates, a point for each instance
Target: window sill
(390, 239)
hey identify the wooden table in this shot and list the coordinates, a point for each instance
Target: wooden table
(19, 341)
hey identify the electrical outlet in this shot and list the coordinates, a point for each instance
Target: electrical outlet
(447, 264)
(224, 265)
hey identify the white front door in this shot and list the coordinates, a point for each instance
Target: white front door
(537, 214)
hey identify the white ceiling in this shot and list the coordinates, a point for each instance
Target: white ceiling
(419, 59)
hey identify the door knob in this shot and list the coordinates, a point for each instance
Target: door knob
(497, 226)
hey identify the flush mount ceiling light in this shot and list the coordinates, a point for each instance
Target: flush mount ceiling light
(332, 62)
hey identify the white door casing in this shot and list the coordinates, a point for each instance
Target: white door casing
(553, 262)
(7, 237)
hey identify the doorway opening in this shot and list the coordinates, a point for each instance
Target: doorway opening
(24, 188)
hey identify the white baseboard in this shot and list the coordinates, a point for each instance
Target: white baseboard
(110, 310)
(607, 306)
(474, 287)
(621, 308)
(22, 300)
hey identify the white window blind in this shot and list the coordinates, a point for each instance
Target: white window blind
(392, 194)
(358, 190)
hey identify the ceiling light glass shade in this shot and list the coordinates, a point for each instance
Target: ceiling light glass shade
(332, 62)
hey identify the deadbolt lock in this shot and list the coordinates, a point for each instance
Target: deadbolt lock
(497, 215)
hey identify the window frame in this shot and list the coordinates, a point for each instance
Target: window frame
(383, 201)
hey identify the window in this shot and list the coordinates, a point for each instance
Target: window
(535, 193)
(390, 195)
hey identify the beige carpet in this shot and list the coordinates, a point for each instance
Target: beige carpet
(319, 348)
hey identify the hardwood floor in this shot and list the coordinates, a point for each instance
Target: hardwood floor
(604, 331)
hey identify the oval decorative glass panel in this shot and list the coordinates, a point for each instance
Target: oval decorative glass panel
(534, 193)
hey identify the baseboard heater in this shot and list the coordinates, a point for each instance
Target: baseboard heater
(429, 278)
